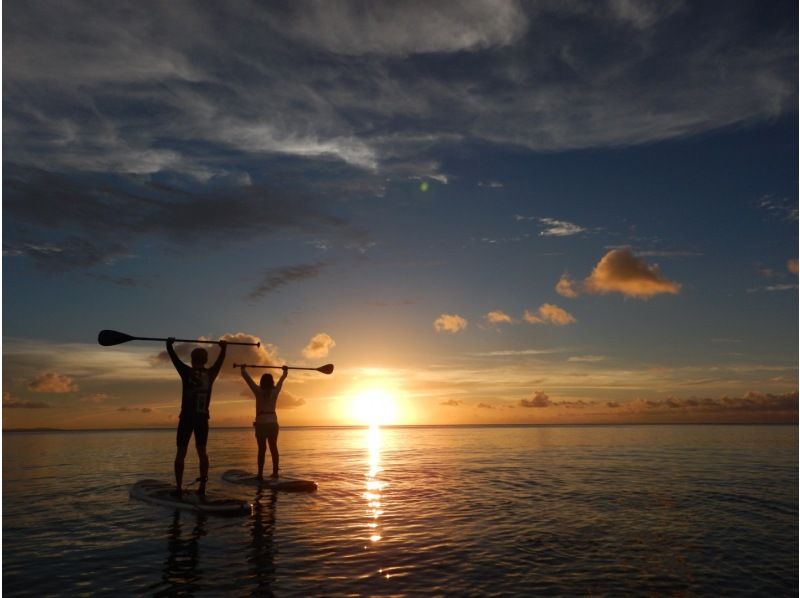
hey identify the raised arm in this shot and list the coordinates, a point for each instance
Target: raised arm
(223, 348)
(176, 361)
(285, 373)
(253, 386)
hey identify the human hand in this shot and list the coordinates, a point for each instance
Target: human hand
(285, 369)
(171, 340)
(223, 344)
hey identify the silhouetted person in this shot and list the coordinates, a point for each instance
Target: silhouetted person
(197, 381)
(266, 424)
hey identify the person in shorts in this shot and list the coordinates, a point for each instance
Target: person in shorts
(195, 400)
(266, 424)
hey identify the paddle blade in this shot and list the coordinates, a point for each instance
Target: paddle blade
(326, 369)
(108, 338)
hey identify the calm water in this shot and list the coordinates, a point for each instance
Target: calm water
(648, 510)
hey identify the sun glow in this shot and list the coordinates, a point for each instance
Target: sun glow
(374, 407)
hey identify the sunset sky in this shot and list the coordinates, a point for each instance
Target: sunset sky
(480, 212)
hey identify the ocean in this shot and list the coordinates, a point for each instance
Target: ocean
(462, 511)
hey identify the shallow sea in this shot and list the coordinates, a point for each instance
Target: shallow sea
(466, 511)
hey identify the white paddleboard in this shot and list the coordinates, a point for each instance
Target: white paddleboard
(240, 476)
(161, 493)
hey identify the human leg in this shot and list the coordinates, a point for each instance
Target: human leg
(272, 439)
(182, 442)
(261, 441)
(200, 440)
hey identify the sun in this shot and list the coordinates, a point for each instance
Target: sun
(374, 407)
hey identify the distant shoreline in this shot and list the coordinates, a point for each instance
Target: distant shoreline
(433, 426)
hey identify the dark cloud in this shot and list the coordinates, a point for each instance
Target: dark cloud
(181, 86)
(136, 409)
(452, 403)
(539, 400)
(10, 402)
(90, 219)
(122, 281)
(486, 406)
(750, 402)
(276, 278)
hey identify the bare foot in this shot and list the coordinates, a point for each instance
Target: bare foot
(274, 475)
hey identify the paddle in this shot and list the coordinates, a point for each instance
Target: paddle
(108, 338)
(323, 369)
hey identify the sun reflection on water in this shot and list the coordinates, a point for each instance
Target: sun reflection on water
(374, 486)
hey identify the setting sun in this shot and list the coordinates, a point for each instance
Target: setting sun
(374, 406)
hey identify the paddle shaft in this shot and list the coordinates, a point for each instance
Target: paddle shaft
(274, 367)
(187, 340)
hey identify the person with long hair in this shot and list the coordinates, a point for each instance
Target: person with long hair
(266, 423)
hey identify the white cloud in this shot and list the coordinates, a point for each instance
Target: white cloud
(559, 228)
(403, 28)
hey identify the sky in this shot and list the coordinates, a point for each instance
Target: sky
(480, 212)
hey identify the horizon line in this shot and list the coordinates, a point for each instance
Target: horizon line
(392, 426)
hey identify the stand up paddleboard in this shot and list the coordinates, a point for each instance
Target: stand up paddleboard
(160, 493)
(240, 476)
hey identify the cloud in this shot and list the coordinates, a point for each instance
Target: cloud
(498, 317)
(135, 409)
(97, 398)
(586, 358)
(279, 277)
(449, 323)
(620, 271)
(539, 400)
(265, 354)
(405, 28)
(774, 288)
(567, 287)
(779, 207)
(188, 88)
(53, 382)
(491, 184)
(452, 403)
(10, 402)
(486, 406)
(79, 220)
(287, 400)
(319, 346)
(549, 314)
(791, 265)
(752, 402)
(559, 228)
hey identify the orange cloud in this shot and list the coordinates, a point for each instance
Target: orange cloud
(449, 323)
(319, 346)
(498, 317)
(567, 287)
(620, 271)
(549, 314)
(792, 266)
(53, 382)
